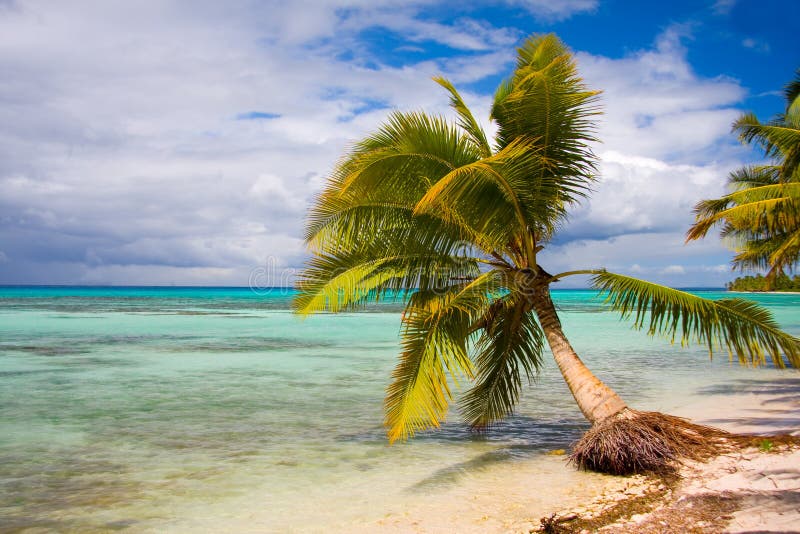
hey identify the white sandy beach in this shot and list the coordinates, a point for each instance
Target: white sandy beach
(765, 486)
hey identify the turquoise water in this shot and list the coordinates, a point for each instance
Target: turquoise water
(153, 409)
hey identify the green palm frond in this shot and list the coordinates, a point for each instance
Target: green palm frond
(785, 255)
(774, 137)
(742, 327)
(766, 208)
(403, 154)
(485, 193)
(546, 102)
(465, 118)
(546, 99)
(343, 224)
(347, 281)
(753, 176)
(509, 347)
(436, 327)
(374, 189)
(759, 253)
(780, 137)
(792, 94)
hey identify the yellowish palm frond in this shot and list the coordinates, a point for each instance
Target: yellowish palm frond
(436, 328)
(745, 329)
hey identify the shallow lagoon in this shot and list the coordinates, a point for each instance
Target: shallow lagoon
(187, 409)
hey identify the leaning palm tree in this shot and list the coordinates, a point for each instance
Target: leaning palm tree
(761, 215)
(433, 211)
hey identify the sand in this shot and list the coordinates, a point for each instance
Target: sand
(753, 490)
(750, 491)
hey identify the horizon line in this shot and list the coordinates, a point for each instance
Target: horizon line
(174, 286)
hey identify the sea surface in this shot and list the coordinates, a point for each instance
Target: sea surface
(216, 409)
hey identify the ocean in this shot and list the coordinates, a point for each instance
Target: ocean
(215, 409)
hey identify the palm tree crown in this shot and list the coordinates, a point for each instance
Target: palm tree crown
(433, 210)
(761, 215)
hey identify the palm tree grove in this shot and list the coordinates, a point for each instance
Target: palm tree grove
(454, 222)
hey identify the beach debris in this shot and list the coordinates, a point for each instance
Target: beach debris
(554, 524)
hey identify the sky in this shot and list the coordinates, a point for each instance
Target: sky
(181, 142)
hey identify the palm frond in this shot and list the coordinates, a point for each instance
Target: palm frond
(786, 254)
(758, 253)
(753, 176)
(792, 94)
(509, 347)
(465, 118)
(374, 189)
(405, 151)
(436, 327)
(779, 140)
(486, 193)
(763, 208)
(546, 102)
(742, 327)
(347, 281)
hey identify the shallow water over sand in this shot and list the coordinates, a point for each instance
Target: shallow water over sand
(216, 409)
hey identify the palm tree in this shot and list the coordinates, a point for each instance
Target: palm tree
(433, 211)
(761, 215)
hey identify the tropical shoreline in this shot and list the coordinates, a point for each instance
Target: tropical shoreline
(766, 292)
(753, 489)
(749, 490)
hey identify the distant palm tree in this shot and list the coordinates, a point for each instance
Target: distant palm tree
(761, 216)
(434, 211)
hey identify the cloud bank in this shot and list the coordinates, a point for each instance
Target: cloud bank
(181, 143)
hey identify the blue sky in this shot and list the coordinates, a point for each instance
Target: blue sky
(181, 142)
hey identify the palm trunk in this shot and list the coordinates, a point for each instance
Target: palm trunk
(621, 440)
(596, 400)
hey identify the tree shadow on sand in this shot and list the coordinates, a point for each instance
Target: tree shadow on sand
(788, 387)
(538, 438)
(776, 414)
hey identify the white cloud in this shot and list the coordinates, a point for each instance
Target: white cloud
(121, 159)
(674, 269)
(654, 104)
(723, 7)
(560, 10)
(756, 44)
(119, 144)
(722, 268)
(643, 255)
(462, 34)
(640, 194)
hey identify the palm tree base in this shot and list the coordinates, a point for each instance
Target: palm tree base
(646, 442)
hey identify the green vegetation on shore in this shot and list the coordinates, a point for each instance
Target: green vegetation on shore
(760, 283)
